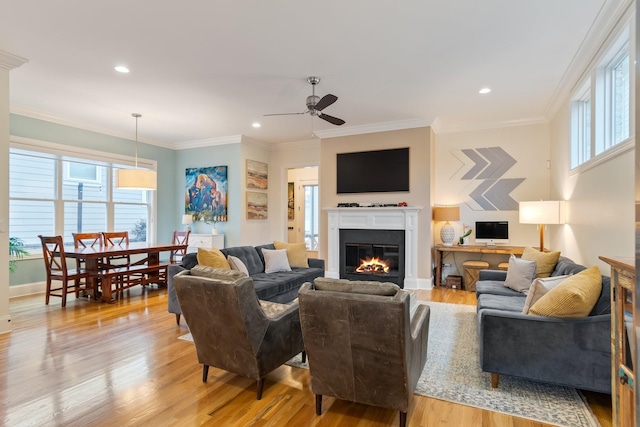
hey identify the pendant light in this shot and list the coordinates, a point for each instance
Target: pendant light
(136, 179)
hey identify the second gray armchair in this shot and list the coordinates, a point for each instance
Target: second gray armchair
(362, 343)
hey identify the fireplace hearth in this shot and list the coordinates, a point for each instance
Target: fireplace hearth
(376, 255)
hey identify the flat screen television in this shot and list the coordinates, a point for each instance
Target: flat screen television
(379, 171)
(492, 232)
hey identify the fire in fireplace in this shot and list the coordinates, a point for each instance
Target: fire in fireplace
(373, 265)
(372, 255)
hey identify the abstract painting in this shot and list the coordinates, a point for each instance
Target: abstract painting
(256, 205)
(290, 201)
(257, 175)
(205, 195)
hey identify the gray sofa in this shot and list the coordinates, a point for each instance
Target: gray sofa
(573, 352)
(281, 287)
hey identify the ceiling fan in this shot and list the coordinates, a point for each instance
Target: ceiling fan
(315, 104)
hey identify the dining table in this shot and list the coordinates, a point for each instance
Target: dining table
(93, 255)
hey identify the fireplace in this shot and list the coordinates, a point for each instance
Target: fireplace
(401, 218)
(376, 255)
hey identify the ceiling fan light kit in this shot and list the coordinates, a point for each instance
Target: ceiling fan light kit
(315, 104)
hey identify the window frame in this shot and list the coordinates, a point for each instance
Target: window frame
(61, 153)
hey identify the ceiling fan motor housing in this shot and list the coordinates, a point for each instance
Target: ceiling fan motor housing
(312, 101)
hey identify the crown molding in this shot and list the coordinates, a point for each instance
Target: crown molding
(209, 142)
(284, 146)
(374, 128)
(27, 112)
(467, 126)
(9, 61)
(256, 143)
(612, 16)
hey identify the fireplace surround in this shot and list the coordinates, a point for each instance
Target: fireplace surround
(376, 218)
(376, 255)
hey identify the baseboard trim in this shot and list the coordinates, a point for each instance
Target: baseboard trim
(5, 324)
(27, 289)
(418, 283)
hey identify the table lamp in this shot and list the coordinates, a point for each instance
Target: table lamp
(542, 212)
(187, 220)
(446, 213)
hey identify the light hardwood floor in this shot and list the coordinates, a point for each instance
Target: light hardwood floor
(95, 364)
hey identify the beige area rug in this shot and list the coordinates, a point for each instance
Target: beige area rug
(452, 373)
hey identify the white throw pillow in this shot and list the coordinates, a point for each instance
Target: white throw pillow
(520, 274)
(237, 264)
(538, 288)
(275, 260)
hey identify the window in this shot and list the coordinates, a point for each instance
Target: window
(601, 110)
(55, 194)
(311, 217)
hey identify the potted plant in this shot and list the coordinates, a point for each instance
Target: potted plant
(464, 239)
(16, 251)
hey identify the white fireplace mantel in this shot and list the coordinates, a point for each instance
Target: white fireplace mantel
(383, 218)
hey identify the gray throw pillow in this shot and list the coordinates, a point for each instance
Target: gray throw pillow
(520, 274)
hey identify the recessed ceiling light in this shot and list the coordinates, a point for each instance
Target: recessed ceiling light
(484, 90)
(256, 125)
(121, 69)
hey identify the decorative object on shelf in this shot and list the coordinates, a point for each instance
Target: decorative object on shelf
(257, 175)
(136, 179)
(206, 193)
(257, 205)
(290, 200)
(213, 221)
(542, 212)
(464, 239)
(446, 213)
(187, 220)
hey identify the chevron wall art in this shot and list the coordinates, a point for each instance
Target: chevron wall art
(484, 169)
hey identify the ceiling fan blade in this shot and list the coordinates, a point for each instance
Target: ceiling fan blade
(326, 100)
(284, 114)
(334, 120)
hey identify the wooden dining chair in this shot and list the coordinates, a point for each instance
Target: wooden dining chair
(55, 263)
(125, 280)
(87, 240)
(179, 238)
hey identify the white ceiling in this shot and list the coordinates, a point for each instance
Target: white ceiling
(207, 69)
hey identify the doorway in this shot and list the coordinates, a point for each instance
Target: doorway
(303, 210)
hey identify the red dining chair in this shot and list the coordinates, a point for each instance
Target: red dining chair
(55, 263)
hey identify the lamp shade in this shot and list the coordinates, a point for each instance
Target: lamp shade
(136, 179)
(446, 213)
(187, 219)
(542, 212)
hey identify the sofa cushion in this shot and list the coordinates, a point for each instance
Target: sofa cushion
(500, 302)
(574, 297)
(275, 260)
(269, 286)
(539, 288)
(296, 253)
(495, 287)
(567, 266)
(222, 274)
(545, 261)
(249, 256)
(190, 260)
(237, 264)
(520, 274)
(259, 249)
(212, 258)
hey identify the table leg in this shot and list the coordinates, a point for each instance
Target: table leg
(154, 259)
(438, 278)
(107, 296)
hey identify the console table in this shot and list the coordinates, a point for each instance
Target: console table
(207, 241)
(475, 249)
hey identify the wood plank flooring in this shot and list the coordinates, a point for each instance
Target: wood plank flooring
(95, 364)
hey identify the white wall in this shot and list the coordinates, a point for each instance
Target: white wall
(600, 207)
(255, 231)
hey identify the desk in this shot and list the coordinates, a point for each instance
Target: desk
(92, 255)
(475, 249)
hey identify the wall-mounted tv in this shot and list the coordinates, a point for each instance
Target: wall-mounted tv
(379, 171)
(492, 232)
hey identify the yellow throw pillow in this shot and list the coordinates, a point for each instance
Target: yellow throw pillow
(546, 260)
(212, 258)
(296, 253)
(574, 297)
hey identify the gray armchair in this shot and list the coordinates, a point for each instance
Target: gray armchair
(230, 328)
(362, 343)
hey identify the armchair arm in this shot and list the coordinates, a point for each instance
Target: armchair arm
(573, 352)
(498, 275)
(419, 328)
(282, 340)
(173, 304)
